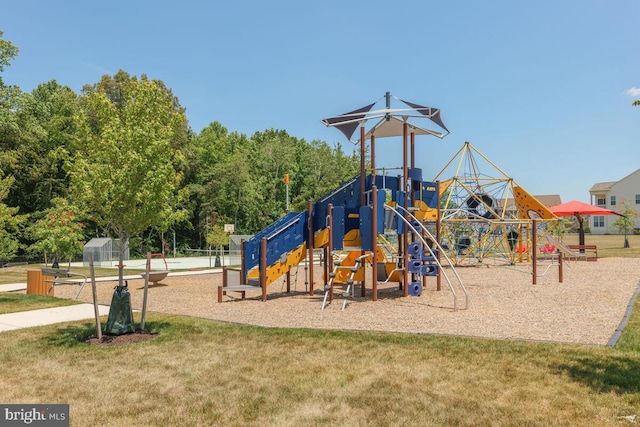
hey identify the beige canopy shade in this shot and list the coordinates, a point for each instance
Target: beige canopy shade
(395, 127)
(390, 121)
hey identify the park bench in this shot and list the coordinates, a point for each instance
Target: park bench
(15, 264)
(64, 277)
(590, 252)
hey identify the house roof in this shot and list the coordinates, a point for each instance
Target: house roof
(603, 187)
(599, 187)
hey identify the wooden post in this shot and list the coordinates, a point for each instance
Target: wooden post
(288, 281)
(560, 275)
(533, 250)
(405, 185)
(310, 245)
(439, 276)
(263, 267)
(362, 164)
(330, 256)
(374, 261)
(242, 263)
(146, 291)
(94, 292)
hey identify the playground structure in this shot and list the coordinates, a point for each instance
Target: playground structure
(348, 225)
(485, 214)
(463, 219)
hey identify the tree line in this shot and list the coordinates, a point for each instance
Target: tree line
(119, 159)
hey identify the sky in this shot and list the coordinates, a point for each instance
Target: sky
(543, 89)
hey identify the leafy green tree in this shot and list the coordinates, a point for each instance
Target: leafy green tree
(59, 232)
(124, 172)
(564, 225)
(10, 223)
(322, 169)
(627, 222)
(217, 238)
(44, 145)
(8, 51)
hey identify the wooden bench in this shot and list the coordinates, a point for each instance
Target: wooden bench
(590, 251)
(15, 264)
(64, 277)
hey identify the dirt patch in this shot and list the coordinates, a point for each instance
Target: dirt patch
(124, 339)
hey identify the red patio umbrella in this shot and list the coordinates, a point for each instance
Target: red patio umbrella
(579, 209)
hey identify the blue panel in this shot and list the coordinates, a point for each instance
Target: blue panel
(430, 194)
(415, 174)
(347, 196)
(400, 201)
(415, 266)
(429, 270)
(337, 232)
(415, 289)
(415, 249)
(366, 228)
(381, 200)
(283, 236)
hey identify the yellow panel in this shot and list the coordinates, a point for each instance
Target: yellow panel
(396, 276)
(424, 212)
(352, 238)
(525, 202)
(444, 185)
(321, 239)
(278, 269)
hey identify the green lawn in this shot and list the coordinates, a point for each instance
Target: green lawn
(205, 373)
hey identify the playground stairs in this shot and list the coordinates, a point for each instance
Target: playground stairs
(341, 268)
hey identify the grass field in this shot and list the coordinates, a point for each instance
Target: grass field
(203, 373)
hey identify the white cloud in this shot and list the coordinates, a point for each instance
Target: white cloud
(634, 91)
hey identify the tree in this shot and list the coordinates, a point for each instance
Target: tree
(48, 125)
(59, 232)
(124, 172)
(217, 237)
(10, 223)
(627, 222)
(564, 225)
(7, 53)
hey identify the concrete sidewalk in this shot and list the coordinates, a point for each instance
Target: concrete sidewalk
(49, 316)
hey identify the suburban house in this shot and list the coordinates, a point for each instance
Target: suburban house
(612, 195)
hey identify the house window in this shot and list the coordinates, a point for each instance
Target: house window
(602, 201)
(637, 199)
(598, 221)
(613, 200)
